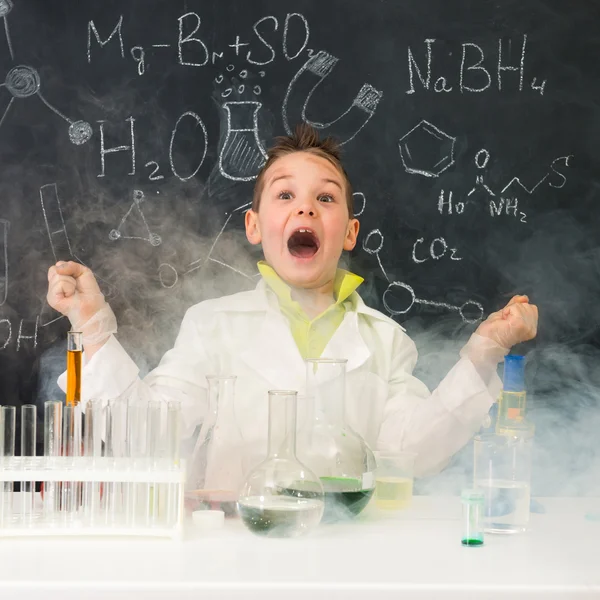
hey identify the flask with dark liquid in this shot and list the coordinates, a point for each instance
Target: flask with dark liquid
(338, 455)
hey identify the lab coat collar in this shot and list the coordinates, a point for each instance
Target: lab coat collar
(263, 299)
(274, 354)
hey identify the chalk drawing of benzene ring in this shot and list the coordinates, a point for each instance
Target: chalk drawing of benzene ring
(426, 150)
(398, 285)
(303, 85)
(23, 81)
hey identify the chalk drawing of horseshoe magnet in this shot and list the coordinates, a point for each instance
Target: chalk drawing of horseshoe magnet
(304, 84)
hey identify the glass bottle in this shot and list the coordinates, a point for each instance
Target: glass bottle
(338, 455)
(215, 468)
(281, 497)
(513, 399)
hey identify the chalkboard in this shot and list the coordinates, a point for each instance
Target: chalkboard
(131, 132)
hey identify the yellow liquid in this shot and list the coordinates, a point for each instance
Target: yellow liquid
(511, 411)
(393, 493)
(73, 377)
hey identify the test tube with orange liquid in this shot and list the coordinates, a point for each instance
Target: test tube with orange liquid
(74, 354)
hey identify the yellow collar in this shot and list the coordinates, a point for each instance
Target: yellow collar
(345, 283)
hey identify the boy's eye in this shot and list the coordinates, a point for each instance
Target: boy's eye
(325, 198)
(285, 195)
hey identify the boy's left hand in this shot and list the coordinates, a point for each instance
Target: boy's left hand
(515, 323)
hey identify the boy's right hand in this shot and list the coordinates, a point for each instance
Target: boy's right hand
(74, 292)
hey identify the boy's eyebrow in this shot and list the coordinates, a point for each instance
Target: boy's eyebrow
(325, 180)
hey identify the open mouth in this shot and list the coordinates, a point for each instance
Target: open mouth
(303, 243)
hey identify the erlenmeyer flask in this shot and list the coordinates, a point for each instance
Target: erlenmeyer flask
(242, 154)
(281, 497)
(338, 455)
(215, 469)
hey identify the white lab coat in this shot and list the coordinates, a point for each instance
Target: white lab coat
(246, 335)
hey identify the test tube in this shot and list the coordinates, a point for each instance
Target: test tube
(71, 441)
(115, 448)
(153, 451)
(92, 444)
(74, 354)
(174, 498)
(7, 451)
(137, 416)
(28, 439)
(52, 449)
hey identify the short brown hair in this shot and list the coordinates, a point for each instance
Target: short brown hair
(304, 139)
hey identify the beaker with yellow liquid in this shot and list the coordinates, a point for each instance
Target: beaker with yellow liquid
(394, 480)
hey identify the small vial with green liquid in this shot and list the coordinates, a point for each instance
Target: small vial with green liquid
(473, 502)
(513, 399)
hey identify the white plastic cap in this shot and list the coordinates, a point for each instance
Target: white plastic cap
(208, 519)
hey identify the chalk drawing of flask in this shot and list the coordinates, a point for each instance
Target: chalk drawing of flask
(242, 153)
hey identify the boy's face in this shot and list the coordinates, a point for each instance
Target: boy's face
(303, 222)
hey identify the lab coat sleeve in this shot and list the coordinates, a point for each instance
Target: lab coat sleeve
(111, 373)
(433, 425)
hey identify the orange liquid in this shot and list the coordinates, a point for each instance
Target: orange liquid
(73, 377)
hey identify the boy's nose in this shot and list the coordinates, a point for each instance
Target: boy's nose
(305, 211)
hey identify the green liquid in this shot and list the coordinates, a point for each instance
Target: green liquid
(344, 498)
(472, 542)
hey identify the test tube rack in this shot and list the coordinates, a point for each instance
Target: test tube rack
(92, 496)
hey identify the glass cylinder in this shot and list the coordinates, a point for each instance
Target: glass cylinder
(115, 427)
(154, 440)
(74, 355)
(93, 430)
(215, 468)
(92, 448)
(71, 442)
(154, 430)
(137, 417)
(8, 417)
(52, 448)
(502, 470)
(28, 441)
(173, 447)
(172, 500)
(473, 502)
(52, 428)
(281, 497)
(339, 456)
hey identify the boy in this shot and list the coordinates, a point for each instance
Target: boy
(304, 306)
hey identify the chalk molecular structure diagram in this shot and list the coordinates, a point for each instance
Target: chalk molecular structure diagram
(117, 234)
(23, 81)
(372, 244)
(394, 286)
(426, 150)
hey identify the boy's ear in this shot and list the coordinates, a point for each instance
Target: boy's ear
(252, 228)
(351, 234)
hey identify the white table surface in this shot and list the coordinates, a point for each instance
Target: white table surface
(415, 553)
